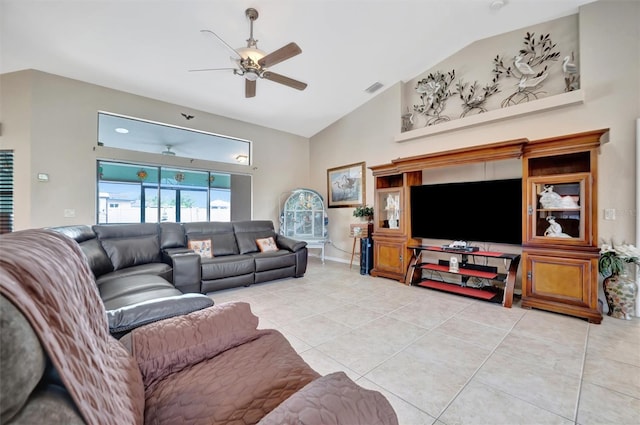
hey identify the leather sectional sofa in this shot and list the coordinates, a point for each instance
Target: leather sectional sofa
(146, 272)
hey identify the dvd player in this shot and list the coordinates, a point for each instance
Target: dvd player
(460, 248)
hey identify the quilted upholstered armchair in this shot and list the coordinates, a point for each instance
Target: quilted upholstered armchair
(60, 365)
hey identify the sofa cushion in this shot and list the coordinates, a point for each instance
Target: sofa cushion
(117, 288)
(223, 240)
(19, 345)
(273, 260)
(247, 232)
(171, 235)
(333, 399)
(87, 239)
(78, 233)
(267, 244)
(229, 265)
(159, 269)
(250, 379)
(48, 405)
(201, 247)
(130, 244)
(132, 316)
(98, 259)
(132, 251)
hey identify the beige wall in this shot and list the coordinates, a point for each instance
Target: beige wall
(609, 50)
(51, 122)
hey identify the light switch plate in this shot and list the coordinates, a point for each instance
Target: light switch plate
(609, 214)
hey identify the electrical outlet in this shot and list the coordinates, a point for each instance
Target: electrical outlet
(69, 213)
(609, 214)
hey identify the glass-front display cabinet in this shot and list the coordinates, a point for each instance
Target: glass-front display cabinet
(392, 221)
(560, 247)
(388, 209)
(558, 209)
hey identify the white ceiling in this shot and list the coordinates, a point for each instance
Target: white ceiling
(146, 47)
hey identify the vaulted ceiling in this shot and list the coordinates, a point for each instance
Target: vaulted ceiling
(146, 47)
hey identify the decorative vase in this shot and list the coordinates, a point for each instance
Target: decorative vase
(620, 291)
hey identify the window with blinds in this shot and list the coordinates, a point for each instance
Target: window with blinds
(6, 191)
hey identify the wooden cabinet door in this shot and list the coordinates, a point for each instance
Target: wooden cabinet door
(389, 259)
(561, 283)
(566, 219)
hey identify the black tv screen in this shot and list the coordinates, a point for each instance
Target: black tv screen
(481, 211)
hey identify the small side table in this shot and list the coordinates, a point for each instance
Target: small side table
(358, 231)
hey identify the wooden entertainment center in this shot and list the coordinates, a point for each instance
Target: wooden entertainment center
(560, 270)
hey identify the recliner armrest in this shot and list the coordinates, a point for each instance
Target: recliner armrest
(187, 272)
(166, 253)
(290, 244)
(125, 319)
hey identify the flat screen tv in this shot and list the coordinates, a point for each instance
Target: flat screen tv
(481, 211)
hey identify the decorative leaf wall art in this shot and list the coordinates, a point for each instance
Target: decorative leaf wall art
(528, 66)
(434, 92)
(521, 77)
(474, 98)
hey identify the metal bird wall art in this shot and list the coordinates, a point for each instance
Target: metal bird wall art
(529, 66)
(570, 71)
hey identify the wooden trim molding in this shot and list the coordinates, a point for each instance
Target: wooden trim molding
(510, 149)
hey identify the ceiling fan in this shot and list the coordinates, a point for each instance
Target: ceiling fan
(253, 63)
(169, 152)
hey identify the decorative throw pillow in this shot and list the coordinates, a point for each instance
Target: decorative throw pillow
(201, 247)
(267, 244)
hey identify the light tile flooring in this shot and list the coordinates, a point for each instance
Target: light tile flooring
(445, 359)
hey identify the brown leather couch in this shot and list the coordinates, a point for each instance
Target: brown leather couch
(59, 365)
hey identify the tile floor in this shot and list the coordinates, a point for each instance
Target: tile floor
(445, 359)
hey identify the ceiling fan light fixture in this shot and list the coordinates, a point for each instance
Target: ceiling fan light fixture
(169, 152)
(251, 52)
(251, 75)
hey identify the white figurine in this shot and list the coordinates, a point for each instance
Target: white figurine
(554, 230)
(393, 211)
(549, 198)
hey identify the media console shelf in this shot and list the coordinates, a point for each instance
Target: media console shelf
(440, 277)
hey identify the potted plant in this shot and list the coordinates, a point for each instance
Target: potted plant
(365, 212)
(619, 289)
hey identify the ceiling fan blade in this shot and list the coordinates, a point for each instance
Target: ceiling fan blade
(281, 79)
(235, 52)
(282, 54)
(249, 88)
(212, 69)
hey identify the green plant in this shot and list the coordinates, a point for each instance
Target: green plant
(363, 211)
(613, 259)
(610, 264)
